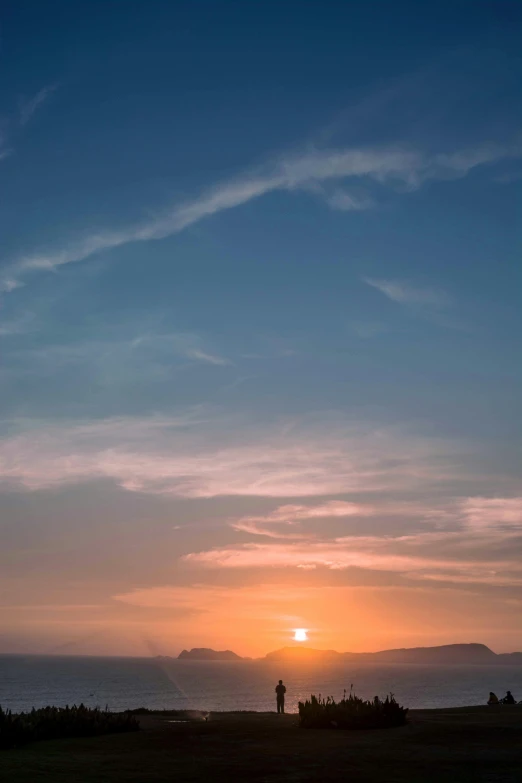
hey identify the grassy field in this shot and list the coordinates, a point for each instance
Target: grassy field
(471, 744)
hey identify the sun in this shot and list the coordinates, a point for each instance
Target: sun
(300, 635)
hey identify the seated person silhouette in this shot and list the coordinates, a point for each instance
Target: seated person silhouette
(508, 698)
(280, 697)
(493, 698)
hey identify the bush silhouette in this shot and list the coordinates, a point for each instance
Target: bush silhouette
(351, 713)
(58, 722)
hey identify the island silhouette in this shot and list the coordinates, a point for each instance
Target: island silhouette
(206, 654)
(471, 653)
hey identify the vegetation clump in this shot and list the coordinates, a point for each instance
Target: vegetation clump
(60, 722)
(351, 713)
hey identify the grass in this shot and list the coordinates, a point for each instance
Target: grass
(59, 722)
(468, 745)
(351, 713)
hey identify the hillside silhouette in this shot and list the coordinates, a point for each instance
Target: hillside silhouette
(472, 653)
(207, 654)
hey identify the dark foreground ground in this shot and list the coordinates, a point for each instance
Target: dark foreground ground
(469, 744)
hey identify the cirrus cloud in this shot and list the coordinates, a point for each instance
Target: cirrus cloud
(440, 556)
(198, 455)
(405, 293)
(481, 512)
(305, 171)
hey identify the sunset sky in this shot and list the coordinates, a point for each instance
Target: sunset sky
(260, 323)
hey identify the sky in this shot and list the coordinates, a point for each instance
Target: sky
(260, 325)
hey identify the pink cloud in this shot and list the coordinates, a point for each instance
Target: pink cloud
(332, 508)
(425, 555)
(255, 529)
(480, 512)
(291, 514)
(191, 456)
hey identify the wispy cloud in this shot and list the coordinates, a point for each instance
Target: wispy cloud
(462, 161)
(8, 284)
(331, 508)
(347, 202)
(186, 344)
(203, 356)
(407, 294)
(291, 514)
(386, 166)
(476, 543)
(481, 513)
(250, 526)
(28, 107)
(112, 355)
(448, 556)
(191, 456)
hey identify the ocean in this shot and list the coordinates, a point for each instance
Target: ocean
(126, 683)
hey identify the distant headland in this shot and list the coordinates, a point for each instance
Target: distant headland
(444, 654)
(206, 654)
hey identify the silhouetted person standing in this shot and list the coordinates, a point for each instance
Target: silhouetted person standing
(280, 697)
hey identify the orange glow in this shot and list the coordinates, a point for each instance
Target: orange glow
(255, 619)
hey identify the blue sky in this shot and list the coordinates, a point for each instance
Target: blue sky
(259, 256)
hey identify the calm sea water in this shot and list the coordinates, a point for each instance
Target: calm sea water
(124, 683)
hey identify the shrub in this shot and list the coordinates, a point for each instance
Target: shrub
(58, 722)
(351, 713)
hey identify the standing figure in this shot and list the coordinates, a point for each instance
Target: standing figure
(280, 697)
